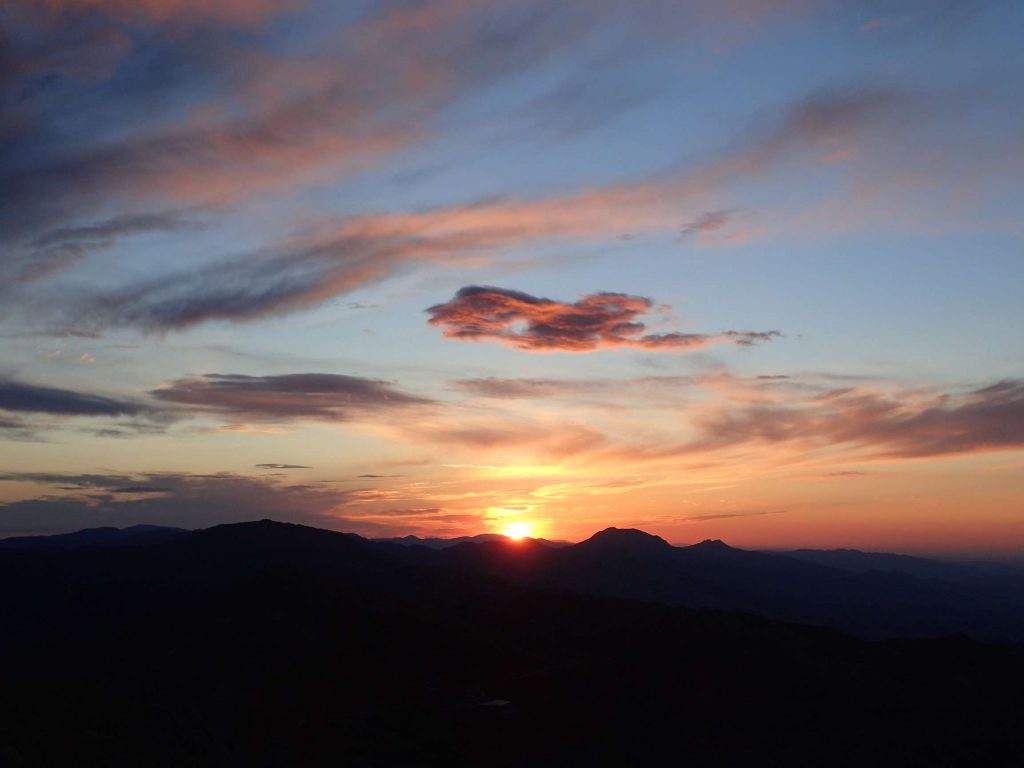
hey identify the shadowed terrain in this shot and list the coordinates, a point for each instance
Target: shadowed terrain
(270, 644)
(871, 595)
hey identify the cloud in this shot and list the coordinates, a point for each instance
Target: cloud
(15, 429)
(595, 321)
(302, 121)
(223, 121)
(65, 481)
(103, 232)
(256, 119)
(910, 425)
(729, 515)
(283, 466)
(58, 249)
(750, 338)
(297, 396)
(337, 256)
(195, 11)
(253, 286)
(551, 438)
(161, 498)
(522, 388)
(31, 398)
(205, 116)
(75, 501)
(707, 222)
(652, 387)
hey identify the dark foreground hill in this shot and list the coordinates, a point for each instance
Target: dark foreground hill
(266, 644)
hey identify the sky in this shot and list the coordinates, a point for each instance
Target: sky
(736, 269)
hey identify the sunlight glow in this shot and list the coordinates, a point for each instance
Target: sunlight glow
(518, 531)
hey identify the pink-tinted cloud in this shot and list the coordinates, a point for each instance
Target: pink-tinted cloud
(910, 425)
(596, 321)
(345, 254)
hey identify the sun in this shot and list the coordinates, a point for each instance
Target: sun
(518, 531)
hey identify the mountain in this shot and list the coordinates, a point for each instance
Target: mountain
(480, 538)
(919, 567)
(94, 537)
(264, 644)
(871, 603)
(625, 540)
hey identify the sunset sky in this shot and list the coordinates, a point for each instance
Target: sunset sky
(736, 269)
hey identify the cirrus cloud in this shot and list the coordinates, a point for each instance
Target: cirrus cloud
(907, 425)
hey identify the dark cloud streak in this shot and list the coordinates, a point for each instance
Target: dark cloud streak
(30, 398)
(316, 396)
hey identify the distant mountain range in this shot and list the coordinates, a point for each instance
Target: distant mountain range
(920, 567)
(94, 537)
(435, 543)
(267, 644)
(874, 595)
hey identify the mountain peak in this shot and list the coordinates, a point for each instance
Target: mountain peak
(711, 547)
(625, 539)
(713, 544)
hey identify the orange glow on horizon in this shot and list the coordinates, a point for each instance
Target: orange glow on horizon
(518, 531)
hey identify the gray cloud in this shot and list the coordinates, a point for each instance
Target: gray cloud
(707, 222)
(31, 398)
(59, 248)
(319, 396)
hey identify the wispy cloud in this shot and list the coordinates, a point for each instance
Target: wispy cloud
(911, 425)
(710, 221)
(302, 396)
(343, 255)
(729, 515)
(60, 248)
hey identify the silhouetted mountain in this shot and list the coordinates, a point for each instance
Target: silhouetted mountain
(95, 537)
(265, 644)
(922, 568)
(624, 540)
(633, 564)
(434, 543)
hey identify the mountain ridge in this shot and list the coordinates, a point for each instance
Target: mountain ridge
(266, 644)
